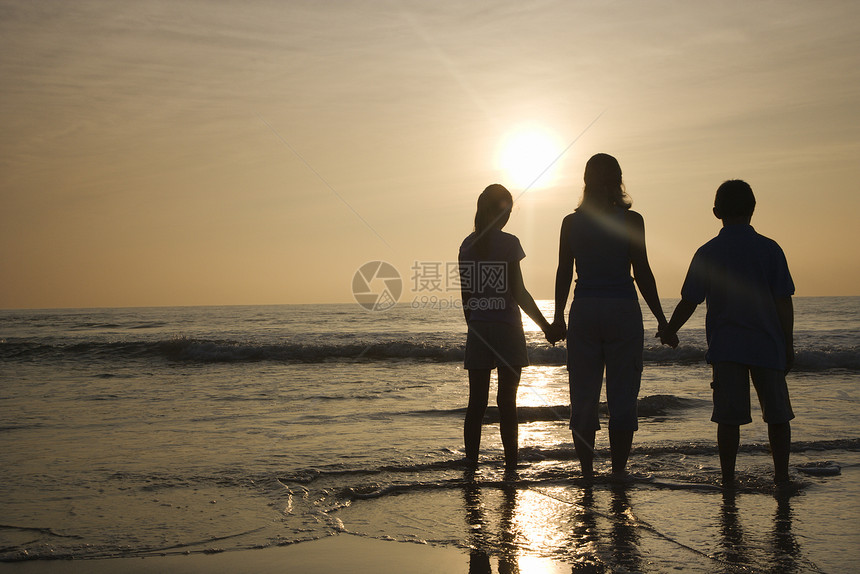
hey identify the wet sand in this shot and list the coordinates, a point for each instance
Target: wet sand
(549, 528)
(338, 553)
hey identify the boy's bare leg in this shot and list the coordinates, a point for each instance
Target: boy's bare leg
(479, 388)
(728, 441)
(583, 442)
(780, 446)
(620, 442)
(506, 398)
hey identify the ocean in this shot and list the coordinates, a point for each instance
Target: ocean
(151, 431)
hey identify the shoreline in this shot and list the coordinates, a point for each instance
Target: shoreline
(339, 552)
(643, 526)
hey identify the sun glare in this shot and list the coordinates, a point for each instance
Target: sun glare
(526, 158)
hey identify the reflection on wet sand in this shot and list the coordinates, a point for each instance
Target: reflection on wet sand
(731, 548)
(781, 551)
(520, 527)
(624, 535)
(525, 524)
(482, 542)
(786, 549)
(619, 550)
(585, 538)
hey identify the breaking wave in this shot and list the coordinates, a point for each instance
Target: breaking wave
(198, 350)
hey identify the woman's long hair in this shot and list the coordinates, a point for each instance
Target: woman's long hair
(604, 188)
(494, 209)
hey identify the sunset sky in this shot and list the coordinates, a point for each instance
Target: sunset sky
(259, 152)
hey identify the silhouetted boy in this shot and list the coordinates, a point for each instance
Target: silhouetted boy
(744, 278)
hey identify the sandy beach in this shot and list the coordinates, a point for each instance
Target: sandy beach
(338, 553)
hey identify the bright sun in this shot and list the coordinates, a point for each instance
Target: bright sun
(526, 155)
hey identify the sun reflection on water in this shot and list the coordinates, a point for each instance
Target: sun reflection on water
(520, 540)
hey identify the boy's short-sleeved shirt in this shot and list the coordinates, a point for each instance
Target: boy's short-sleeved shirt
(485, 276)
(740, 273)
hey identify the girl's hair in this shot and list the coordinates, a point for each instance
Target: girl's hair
(494, 209)
(604, 188)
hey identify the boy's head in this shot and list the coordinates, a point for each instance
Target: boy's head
(734, 200)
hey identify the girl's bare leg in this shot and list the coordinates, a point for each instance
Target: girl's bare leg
(479, 389)
(509, 380)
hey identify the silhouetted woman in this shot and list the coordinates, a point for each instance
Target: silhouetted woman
(492, 293)
(603, 239)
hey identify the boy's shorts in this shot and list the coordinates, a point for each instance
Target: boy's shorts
(492, 344)
(731, 387)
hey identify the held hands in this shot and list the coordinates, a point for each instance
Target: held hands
(666, 336)
(556, 332)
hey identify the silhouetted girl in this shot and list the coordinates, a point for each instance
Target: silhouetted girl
(604, 238)
(493, 291)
